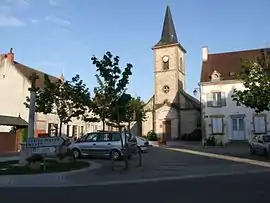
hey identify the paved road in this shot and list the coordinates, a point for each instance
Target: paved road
(161, 163)
(233, 189)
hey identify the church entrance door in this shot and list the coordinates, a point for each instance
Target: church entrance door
(167, 130)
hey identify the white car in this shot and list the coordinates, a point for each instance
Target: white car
(104, 143)
(142, 144)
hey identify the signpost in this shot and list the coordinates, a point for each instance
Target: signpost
(44, 145)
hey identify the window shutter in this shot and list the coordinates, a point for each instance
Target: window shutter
(220, 125)
(259, 124)
(209, 99)
(223, 99)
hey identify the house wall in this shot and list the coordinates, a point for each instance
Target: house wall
(227, 112)
(14, 89)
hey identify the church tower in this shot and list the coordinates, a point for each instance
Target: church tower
(169, 78)
(169, 67)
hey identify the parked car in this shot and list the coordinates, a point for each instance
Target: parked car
(260, 144)
(104, 144)
(142, 144)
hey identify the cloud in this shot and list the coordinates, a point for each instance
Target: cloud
(35, 21)
(58, 20)
(53, 3)
(10, 21)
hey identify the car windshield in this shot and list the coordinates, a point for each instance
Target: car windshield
(266, 138)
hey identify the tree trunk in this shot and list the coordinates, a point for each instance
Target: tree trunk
(60, 128)
(103, 124)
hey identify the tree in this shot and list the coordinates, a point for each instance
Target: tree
(135, 111)
(112, 82)
(255, 76)
(68, 99)
(119, 110)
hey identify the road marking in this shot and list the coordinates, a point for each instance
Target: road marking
(224, 157)
(149, 180)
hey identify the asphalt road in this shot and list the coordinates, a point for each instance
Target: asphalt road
(248, 188)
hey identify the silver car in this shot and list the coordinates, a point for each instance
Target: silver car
(259, 144)
(104, 144)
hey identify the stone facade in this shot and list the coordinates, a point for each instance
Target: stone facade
(171, 111)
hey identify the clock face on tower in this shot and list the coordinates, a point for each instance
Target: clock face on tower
(165, 59)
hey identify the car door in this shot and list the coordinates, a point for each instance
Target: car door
(88, 144)
(103, 144)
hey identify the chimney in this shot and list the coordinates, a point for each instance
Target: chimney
(205, 53)
(10, 56)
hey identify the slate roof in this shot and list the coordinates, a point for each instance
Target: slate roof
(168, 35)
(27, 72)
(227, 64)
(12, 121)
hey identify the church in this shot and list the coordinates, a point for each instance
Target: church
(171, 111)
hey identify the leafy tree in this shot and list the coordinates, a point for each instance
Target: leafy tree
(135, 111)
(255, 76)
(119, 110)
(112, 82)
(68, 99)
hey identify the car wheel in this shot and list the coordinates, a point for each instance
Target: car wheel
(76, 153)
(251, 150)
(115, 154)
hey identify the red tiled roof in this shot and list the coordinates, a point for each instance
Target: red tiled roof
(227, 64)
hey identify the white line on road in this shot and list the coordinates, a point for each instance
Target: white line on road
(148, 180)
(224, 157)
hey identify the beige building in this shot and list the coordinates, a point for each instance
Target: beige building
(14, 84)
(224, 118)
(172, 112)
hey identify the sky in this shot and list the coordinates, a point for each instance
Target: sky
(60, 36)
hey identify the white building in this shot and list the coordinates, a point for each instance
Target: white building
(222, 117)
(14, 84)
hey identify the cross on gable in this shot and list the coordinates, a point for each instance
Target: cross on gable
(33, 78)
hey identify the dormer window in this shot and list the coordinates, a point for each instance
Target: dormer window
(215, 76)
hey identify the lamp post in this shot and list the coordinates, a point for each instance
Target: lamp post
(197, 92)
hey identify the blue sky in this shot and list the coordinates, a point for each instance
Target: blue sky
(61, 35)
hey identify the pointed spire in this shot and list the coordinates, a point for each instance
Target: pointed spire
(62, 78)
(168, 35)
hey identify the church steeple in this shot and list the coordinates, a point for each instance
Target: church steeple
(168, 35)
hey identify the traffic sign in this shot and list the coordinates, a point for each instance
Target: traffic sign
(44, 142)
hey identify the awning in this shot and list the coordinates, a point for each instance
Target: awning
(12, 121)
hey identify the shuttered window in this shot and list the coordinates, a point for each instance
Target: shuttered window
(259, 123)
(216, 99)
(217, 126)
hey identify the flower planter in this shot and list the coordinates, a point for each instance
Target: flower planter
(153, 143)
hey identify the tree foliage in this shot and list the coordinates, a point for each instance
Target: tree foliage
(112, 82)
(255, 76)
(68, 99)
(135, 110)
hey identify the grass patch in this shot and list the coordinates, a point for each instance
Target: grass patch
(52, 166)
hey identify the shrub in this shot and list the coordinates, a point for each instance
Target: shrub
(35, 158)
(210, 141)
(152, 136)
(196, 135)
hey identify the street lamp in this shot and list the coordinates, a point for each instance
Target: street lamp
(197, 92)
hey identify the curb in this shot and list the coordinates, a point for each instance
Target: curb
(45, 179)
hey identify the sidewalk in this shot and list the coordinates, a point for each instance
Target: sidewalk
(236, 150)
